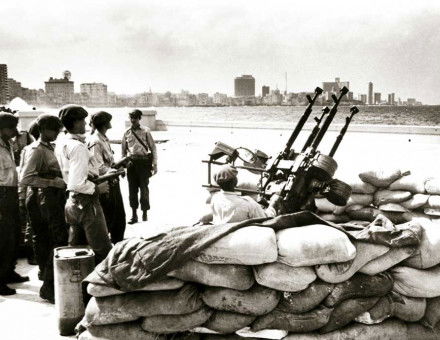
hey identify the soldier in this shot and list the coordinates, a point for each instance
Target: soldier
(102, 155)
(138, 143)
(83, 211)
(41, 172)
(9, 215)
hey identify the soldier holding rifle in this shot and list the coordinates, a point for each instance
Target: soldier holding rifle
(102, 156)
(83, 209)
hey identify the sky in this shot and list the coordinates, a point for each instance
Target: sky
(200, 46)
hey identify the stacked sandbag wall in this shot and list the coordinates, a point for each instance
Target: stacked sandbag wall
(399, 195)
(311, 282)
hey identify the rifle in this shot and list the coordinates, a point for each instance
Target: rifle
(108, 177)
(310, 172)
(122, 163)
(287, 153)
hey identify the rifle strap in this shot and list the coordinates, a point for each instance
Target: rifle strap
(140, 140)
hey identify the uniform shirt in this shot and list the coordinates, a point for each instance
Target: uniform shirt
(73, 157)
(100, 151)
(39, 157)
(132, 147)
(8, 172)
(231, 207)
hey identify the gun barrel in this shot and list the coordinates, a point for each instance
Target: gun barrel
(315, 130)
(108, 177)
(329, 119)
(341, 135)
(302, 121)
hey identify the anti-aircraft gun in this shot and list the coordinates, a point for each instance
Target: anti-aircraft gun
(297, 176)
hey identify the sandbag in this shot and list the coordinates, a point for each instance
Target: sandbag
(387, 260)
(360, 285)
(380, 178)
(354, 207)
(131, 306)
(313, 244)
(347, 311)
(389, 196)
(428, 252)
(410, 309)
(395, 217)
(256, 301)
(165, 324)
(381, 311)
(364, 214)
(432, 186)
(432, 313)
(249, 246)
(274, 334)
(415, 202)
(334, 218)
(323, 204)
(339, 272)
(433, 202)
(360, 187)
(412, 183)
(306, 300)
(297, 323)
(362, 199)
(392, 207)
(120, 331)
(431, 212)
(227, 322)
(283, 277)
(163, 284)
(233, 276)
(416, 282)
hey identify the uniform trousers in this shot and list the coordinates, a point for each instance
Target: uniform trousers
(9, 231)
(114, 212)
(138, 176)
(87, 224)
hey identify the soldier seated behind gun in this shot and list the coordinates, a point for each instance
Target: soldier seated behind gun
(229, 206)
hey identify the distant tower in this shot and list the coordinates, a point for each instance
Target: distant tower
(244, 86)
(370, 93)
(265, 90)
(285, 90)
(4, 86)
(67, 75)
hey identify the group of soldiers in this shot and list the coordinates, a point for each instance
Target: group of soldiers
(58, 185)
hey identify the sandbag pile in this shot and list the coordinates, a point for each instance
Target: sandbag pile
(306, 282)
(401, 196)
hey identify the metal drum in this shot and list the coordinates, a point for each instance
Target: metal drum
(323, 167)
(338, 192)
(71, 266)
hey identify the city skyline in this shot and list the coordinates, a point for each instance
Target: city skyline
(133, 46)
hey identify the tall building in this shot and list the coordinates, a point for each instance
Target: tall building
(15, 89)
(377, 98)
(363, 98)
(391, 100)
(60, 91)
(333, 87)
(265, 91)
(96, 93)
(4, 88)
(370, 93)
(244, 86)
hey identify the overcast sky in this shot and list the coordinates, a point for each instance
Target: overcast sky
(201, 46)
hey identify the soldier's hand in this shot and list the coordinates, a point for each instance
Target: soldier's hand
(154, 170)
(103, 188)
